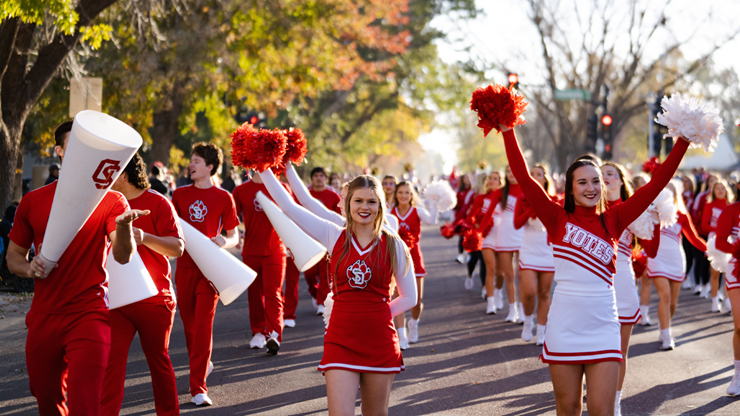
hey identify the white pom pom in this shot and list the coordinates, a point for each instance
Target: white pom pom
(536, 224)
(667, 210)
(328, 305)
(643, 226)
(686, 117)
(441, 195)
(718, 259)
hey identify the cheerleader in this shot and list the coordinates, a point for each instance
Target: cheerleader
(619, 190)
(583, 329)
(716, 202)
(640, 180)
(536, 264)
(701, 268)
(667, 269)
(411, 215)
(728, 230)
(389, 189)
(689, 184)
(480, 204)
(465, 196)
(360, 345)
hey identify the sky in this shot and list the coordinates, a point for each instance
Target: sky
(503, 34)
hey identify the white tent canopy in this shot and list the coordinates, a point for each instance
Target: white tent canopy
(722, 159)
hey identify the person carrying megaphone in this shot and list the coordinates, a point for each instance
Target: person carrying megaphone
(158, 236)
(69, 333)
(209, 209)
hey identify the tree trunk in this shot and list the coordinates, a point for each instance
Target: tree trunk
(165, 125)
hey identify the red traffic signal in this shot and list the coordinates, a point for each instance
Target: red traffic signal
(606, 120)
(513, 79)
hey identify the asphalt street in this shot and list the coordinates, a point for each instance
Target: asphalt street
(466, 363)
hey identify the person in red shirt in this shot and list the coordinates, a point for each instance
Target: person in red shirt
(209, 209)
(716, 202)
(69, 333)
(317, 277)
(465, 196)
(158, 236)
(701, 269)
(263, 252)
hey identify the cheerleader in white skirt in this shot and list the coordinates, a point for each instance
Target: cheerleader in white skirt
(583, 336)
(536, 264)
(619, 189)
(668, 269)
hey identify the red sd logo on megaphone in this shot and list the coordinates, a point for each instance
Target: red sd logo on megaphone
(103, 176)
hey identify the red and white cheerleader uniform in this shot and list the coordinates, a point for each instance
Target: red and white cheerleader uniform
(628, 301)
(479, 210)
(361, 336)
(710, 216)
(535, 252)
(582, 324)
(670, 262)
(728, 230)
(508, 237)
(409, 228)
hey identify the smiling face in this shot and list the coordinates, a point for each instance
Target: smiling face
(389, 186)
(720, 191)
(494, 180)
(539, 175)
(510, 176)
(612, 180)
(586, 186)
(403, 195)
(364, 206)
(198, 168)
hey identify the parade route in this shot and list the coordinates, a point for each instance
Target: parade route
(466, 363)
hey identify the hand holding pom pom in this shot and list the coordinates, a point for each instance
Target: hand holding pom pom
(497, 106)
(718, 259)
(257, 149)
(472, 240)
(447, 231)
(639, 262)
(685, 117)
(441, 195)
(667, 210)
(295, 150)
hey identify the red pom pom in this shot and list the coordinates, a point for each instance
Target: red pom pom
(447, 231)
(295, 152)
(639, 262)
(497, 105)
(257, 149)
(651, 165)
(407, 237)
(472, 240)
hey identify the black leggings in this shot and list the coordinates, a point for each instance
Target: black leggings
(472, 261)
(459, 245)
(701, 270)
(690, 253)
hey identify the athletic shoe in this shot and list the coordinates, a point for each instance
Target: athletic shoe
(201, 399)
(258, 341)
(273, 345)
(705, 291)
(313, 302)
(320, 310)
(668, 344)
(541, 335)
(686, 284)
(468, 282)
(484, 293)
(460, 258)
(715, 304)
(290, 323)
(491, 308)
(413, 330)
(513, 315)
(527, 331)
(697, 290)
(210, 369)
(645, 320)
(618, 409)
(499, 298)
(727, 306)
(520, 310)
(734, 388)
(403, 342)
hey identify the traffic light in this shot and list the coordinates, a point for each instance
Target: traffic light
(592, 134)
(606, 122)
(513, 81)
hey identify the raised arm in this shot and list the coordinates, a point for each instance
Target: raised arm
(706, 219)
(724, 229)
(688, 230)
(627, 212)
(427, 217)
(323, 231)
(308, 201)
(546, 210)
(406, 283)
(522, 213)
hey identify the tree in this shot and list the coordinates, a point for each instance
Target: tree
(32, 49)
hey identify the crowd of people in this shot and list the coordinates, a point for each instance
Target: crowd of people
(561, 252)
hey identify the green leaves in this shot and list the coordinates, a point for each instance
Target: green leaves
(35, 11)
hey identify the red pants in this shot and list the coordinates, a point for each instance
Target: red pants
(290, 295)
(197, 300)
(319, 275)
(265, 293)
(154, 322)
(67, 354)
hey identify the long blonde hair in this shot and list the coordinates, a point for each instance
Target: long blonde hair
(369, 182)
(481, 184)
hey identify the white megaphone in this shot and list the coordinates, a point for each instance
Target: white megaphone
(128, 283)
(306, 251)
(230, 276)
(98, 149)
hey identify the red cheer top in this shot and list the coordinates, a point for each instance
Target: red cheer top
(584, 242)
(328, 197)
(710, 215)
(79, 282)
(728, 226)
(209, 210)
(260, 238)
(515, 193)
(162, 221)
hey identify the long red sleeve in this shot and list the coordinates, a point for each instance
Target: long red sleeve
(688, 230)
(725, 224)
(522, 213)
(706, 217)
(488, 216)
(627, 212)
(651, 246)
(474, 210)
(547, 211)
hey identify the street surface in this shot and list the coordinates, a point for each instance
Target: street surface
(466, 363)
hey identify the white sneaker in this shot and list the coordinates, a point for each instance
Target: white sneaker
(290, 323)
(273, 345)
(705, 291)
(734, 388)
(403, 342)
(727, 306)
(258, 341)
(498, 296)
(715, 304)
(484, 293)
(527, 330)
(413, 330)
(313, 302)
(668, 344)
(686, 284)
(201, 399)
(513, 315)
(491, 308)
(645, 320)
(320, 310)
(468, 282)
(210, 369)
(520, 310)
(697, 289)
(460, 258)
(541, 334)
